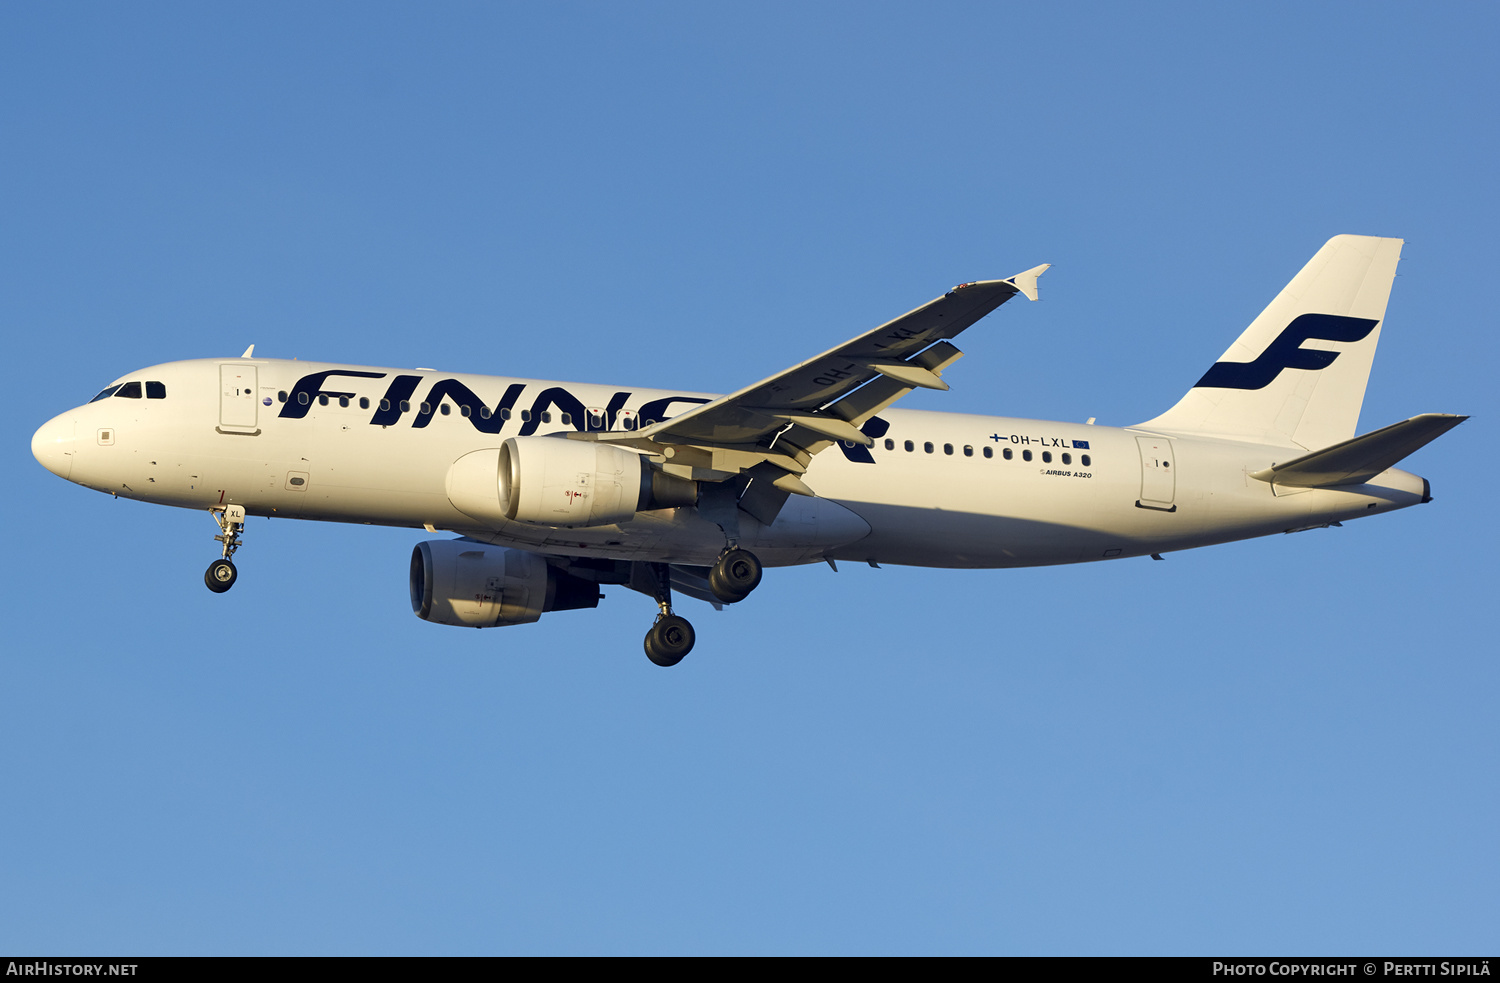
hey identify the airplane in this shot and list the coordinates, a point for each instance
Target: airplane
(555, 489)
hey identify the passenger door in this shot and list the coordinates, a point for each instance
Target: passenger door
(237, 397)
(1158, 482)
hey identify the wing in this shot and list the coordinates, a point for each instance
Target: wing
(770, 431)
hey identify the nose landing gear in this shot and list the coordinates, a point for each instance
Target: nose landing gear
(221, 573)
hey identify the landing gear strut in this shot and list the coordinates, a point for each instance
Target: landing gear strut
(735, 575)
(671, 637)
(221, 573)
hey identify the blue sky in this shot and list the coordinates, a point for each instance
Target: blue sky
(1281, 746)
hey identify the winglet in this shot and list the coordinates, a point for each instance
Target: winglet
(249, 352)
(1026, 282)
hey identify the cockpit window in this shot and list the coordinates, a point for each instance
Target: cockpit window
(130, 390)
(156, 390)
(105, 394)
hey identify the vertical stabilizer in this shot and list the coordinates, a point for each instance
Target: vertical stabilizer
(1297, 374)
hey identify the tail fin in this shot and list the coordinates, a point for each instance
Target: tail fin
(1268, 386)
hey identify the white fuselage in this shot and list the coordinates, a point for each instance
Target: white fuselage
(236, 432)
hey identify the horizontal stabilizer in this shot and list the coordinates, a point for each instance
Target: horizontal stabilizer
(1358, 459)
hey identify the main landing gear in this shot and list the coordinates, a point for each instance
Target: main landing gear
(221, 573)
(735, 575)
(671, 638)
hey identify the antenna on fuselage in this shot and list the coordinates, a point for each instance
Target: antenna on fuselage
(249, 352)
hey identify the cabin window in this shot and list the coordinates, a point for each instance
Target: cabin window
(968, 451)
(364, 402)
(104, 394)
(890, 444)
(1026, 455)
(927, 446)
(1046, 457)
(948, 449)
(322, 399)
(910, 446)
(344, 402)
(1067, 458)
(505, 413)
(567, 419)
(1008, 453)
(596, 420)
(385, 406)
(405, 406)
(130, 390)
(425, 409)
(484, 412)
(464, 411)
(525, 416)
(281, 396)
(303, 398)
(546, 416)
(155, 390)
(445, 409)
(1085, 460)
(989, 452)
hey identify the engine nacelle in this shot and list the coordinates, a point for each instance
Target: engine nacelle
(552, 481)
(454, 582)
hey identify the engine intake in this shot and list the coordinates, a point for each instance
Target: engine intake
(472, 585)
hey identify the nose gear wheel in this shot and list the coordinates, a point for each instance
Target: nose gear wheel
(220, 576)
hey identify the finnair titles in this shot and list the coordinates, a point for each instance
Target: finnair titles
(552, 490)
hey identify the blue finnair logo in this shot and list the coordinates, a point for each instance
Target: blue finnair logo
(397, 403)
(874, 428)
(1286, 352)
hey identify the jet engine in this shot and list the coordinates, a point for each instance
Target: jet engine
(472, 585)
(553, 481)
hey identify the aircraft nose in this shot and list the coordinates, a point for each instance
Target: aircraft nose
(52, 445)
